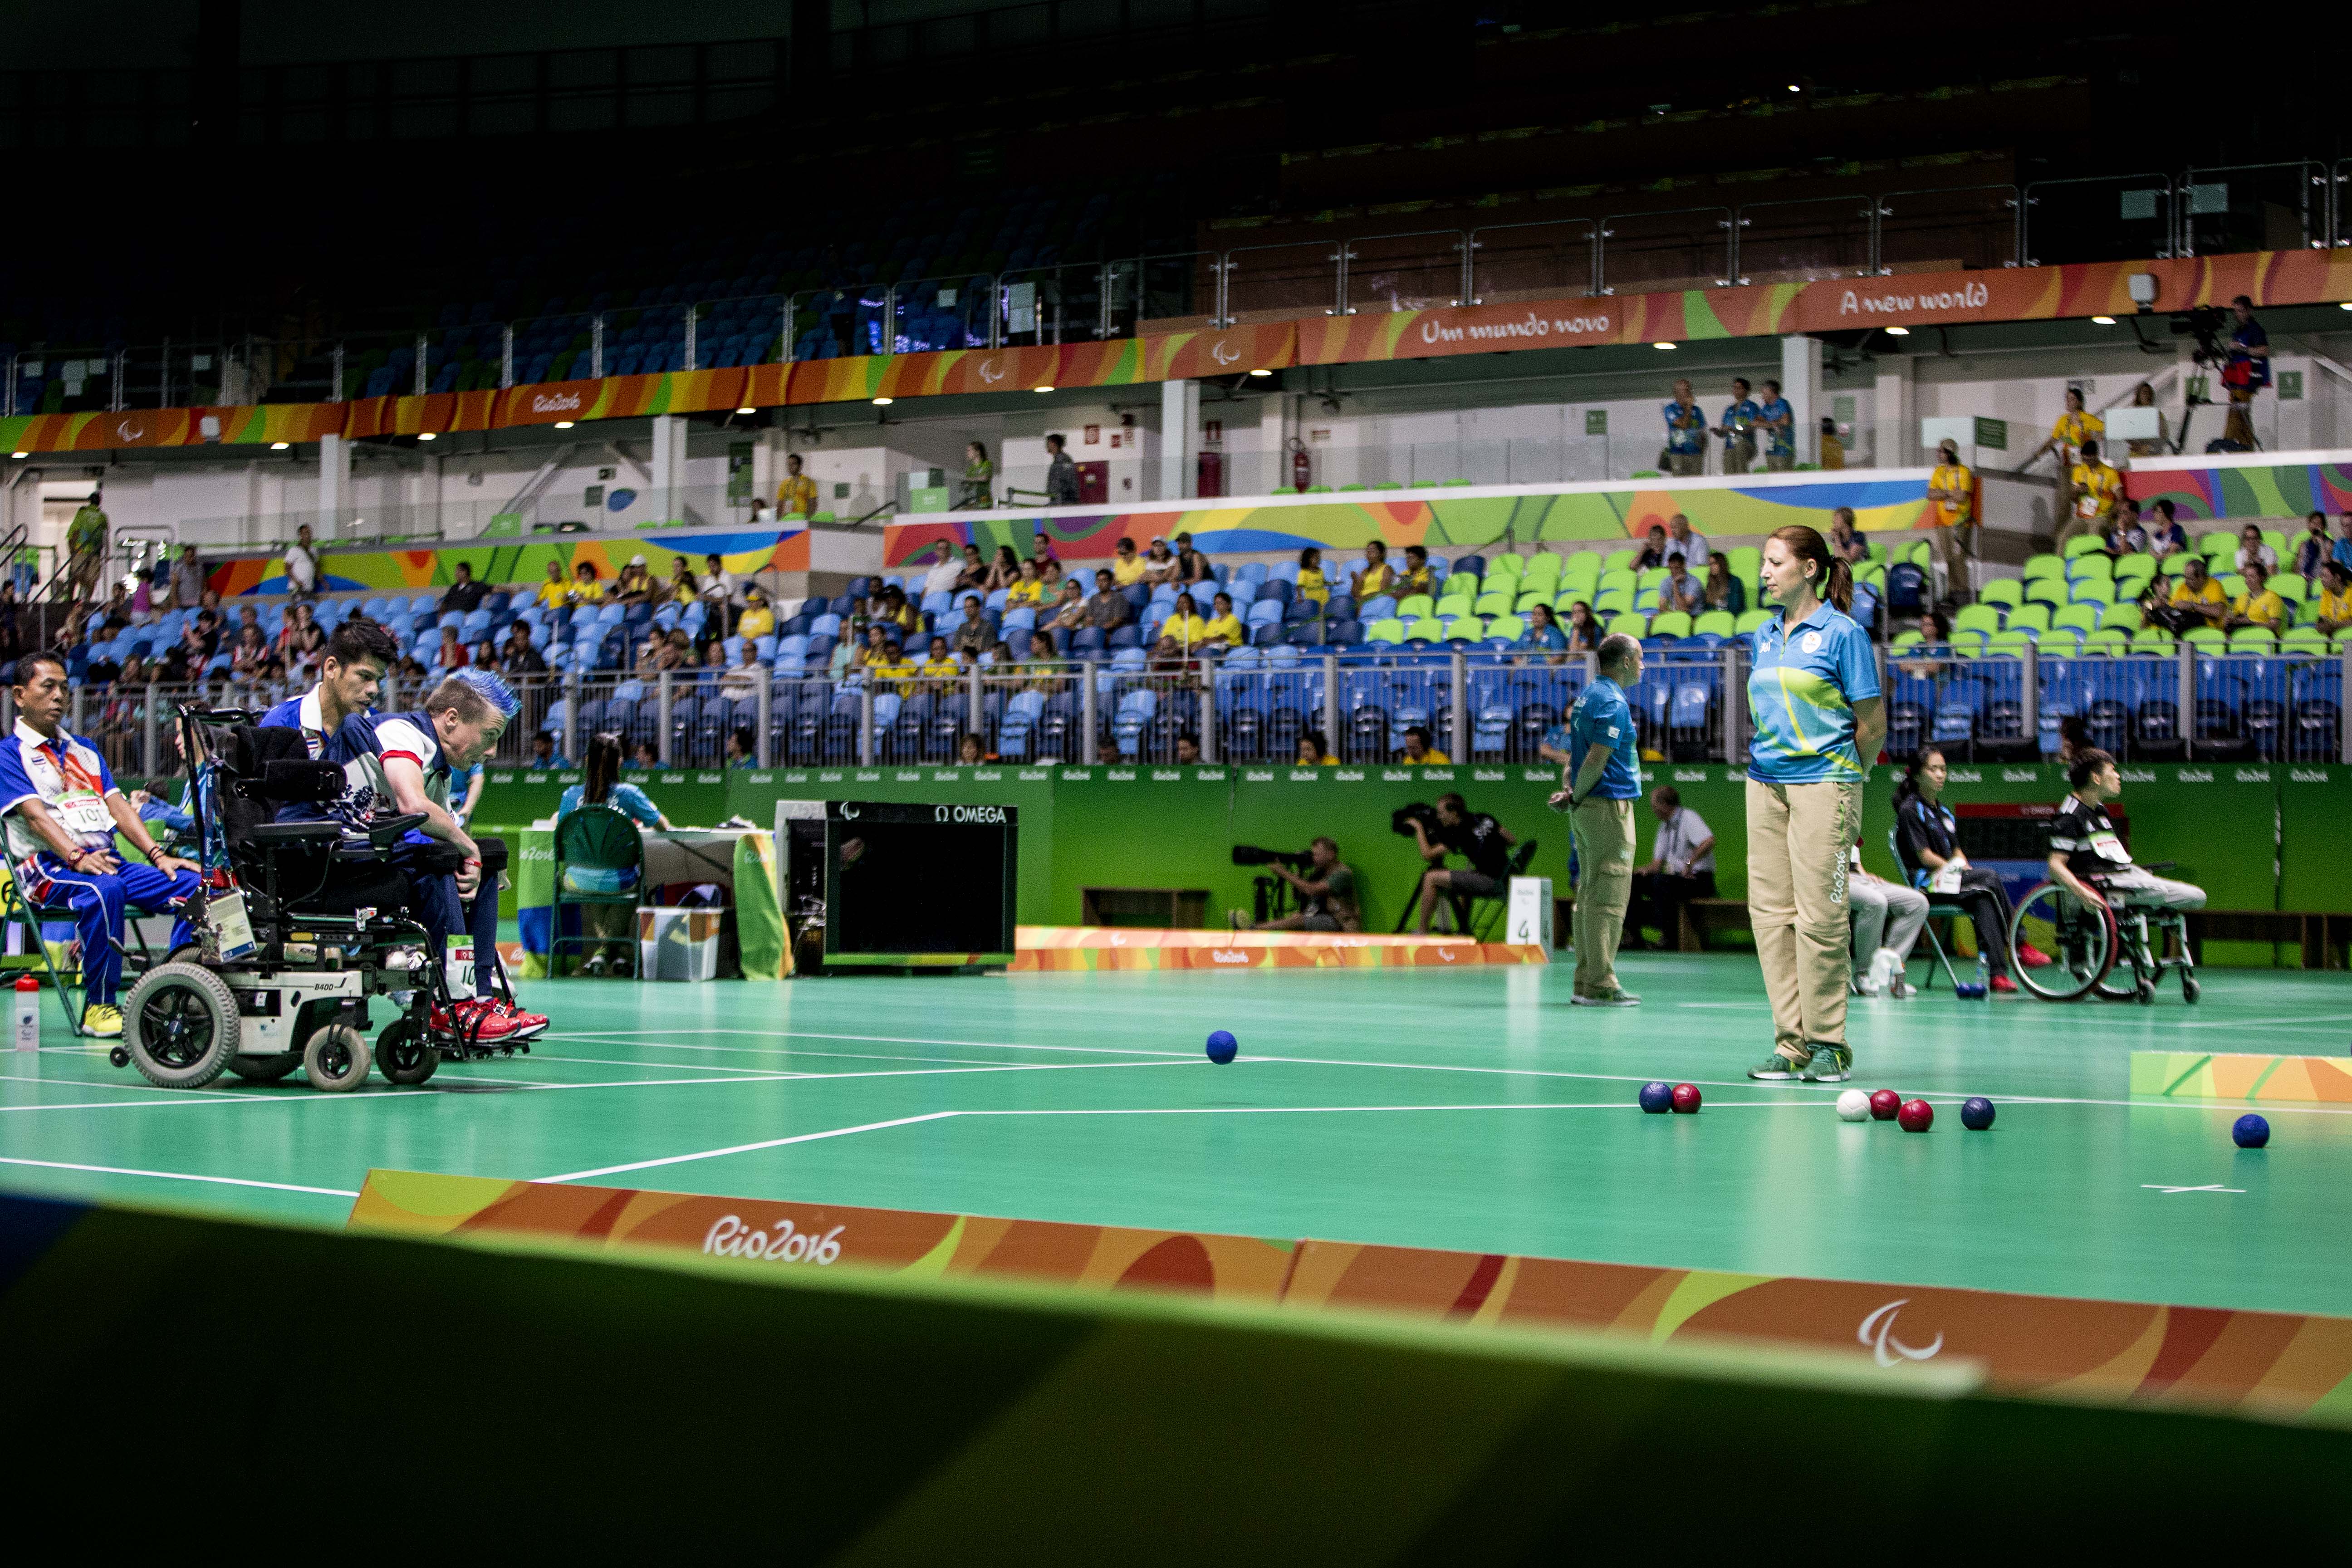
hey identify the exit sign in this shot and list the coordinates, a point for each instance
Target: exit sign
(1596, 422)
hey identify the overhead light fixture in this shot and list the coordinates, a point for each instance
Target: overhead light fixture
(426, 436)
(2102, 320)
(2346, 306)
(747, 411)
(1794, 88)
(563, 424)
(884, 402)
(1898, 331)
(275, 446)
(28, 453)
(1662, 343)
(1270, 372)
(1040, 389)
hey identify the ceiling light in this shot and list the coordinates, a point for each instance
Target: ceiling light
(1662, 343)
(1270, 372)
(882, 402)
(1040, 389)
(426, 436)
(1898, 331)
(563, 424)
(279, 445)
(747, 411)
(2346, 306)
(20, 454)
(1794, 88)
(2102, 320)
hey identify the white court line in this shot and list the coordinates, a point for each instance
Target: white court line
(878, 1040)
(182, 1177)
(141, 1088)
(747, 1148)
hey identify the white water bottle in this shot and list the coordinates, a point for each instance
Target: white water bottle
(1984, 974)
(28, 1013)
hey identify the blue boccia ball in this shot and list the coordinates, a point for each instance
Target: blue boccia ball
(2251, 1131)
(1221, 1047)
(1657, 1098)
(1976, 1115)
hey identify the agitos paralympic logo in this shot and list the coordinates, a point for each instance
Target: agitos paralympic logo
(1877, 1333)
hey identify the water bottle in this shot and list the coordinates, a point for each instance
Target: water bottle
(28, 1013)
(1983, 986)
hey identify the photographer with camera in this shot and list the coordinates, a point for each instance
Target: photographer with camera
(1452, 827)
(1326, 885)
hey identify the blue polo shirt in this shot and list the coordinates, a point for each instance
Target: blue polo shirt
(1801, 698)
(1780, 440)
(1739, 419)
(1602, 718)
(1685, 428)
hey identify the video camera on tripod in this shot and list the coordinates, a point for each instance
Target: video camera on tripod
(1270, 896)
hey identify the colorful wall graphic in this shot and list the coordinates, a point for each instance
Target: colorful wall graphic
(2214, 491)
(1526, 516)
(493, 561)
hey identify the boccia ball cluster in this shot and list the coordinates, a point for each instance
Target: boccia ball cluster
(1658, 1098)
(1911, 1115)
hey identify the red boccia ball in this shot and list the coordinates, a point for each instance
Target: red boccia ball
(1883, 1104)
(1686, 1098)
(1917, 1116)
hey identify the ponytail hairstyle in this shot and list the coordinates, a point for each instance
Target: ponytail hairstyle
(1907, 788)
(1835, 580)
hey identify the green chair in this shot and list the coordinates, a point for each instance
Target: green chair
(1968, 645)
(1509, 628)
(2304, 638)
(2093, 591)
(1911, 638)
(1751, 619)
(1919, 554)
(2046, 591)
(2078, 617)
(14, 907)
(1670, 623)
(1531, 599)
(2123, 617)
(1345, 488)
(1982, 619)
(1544, 567)
(2231, 584)
(1573, 596)
(1651, 577)
(2003, 591)
(2292, 586)
(1415, 606)
(1470, 626)
(1612, 602)
(2011, 643)
(1390, 631)
(1618, 577)
(1318, 489)
(600, 863)
(1506, 565)
(2205, 636)
(2174, 564)
(2139, 564)
(2152, 637)
(1744, 562)
(2259, 637)
(2219, 544)
(2057, 643)
(1874, 552)
(1390, 485)
(1630, 625)
(2093, 565)
(2276, 539)
(1502, 602)
(2130, 586)
(1715, 622)
(2108, 641)
(1619, 561)
(2032, 616)
(2042, 567)
(1424, 628)
(1444, 484)
(1584, 566)
(2084, 544)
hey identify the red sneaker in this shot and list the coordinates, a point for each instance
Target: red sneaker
(2031, 956)
(526, 1024)
(474, 1019)
(2003, 986)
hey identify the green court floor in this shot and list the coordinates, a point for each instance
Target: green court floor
(1468, 1109)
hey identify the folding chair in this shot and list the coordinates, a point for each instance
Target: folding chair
(14, 907)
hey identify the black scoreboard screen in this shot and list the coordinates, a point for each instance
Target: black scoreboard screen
(910, 884)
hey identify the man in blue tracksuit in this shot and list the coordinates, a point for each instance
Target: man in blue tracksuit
(61, 812)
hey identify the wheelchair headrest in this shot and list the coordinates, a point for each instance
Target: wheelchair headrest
(302, 782)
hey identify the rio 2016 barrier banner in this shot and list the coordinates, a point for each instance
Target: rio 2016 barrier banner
(1452, 518)
(2280, 1366)
(741, 550)
(2018, 294)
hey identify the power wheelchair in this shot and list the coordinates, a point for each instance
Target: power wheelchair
(298, 927)
(2086, 943)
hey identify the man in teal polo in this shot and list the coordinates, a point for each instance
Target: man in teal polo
(1598, 789)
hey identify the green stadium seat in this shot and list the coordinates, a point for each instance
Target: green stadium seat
(1617, 577)
(2124, 616)
(1531, 599)
(2082, 544)
(1390, 484)
(2080, 617)
(1751, 619)
(1612, 602)
(2092, 565)
(1631, 626)
(2107, 640)
(2205, 636)
(1344, 489)
(1446, 484)
(2276, 539)
(2004, 591)
(1506, 565)
(2220, 542)
(1542, 567)
(2014, 642)
(1715, 622)
(2231, 584)
(2250, 637)
(1584, 566)
(1968, 645)
(1318, 489)
(2155, 637)
(1424, 628)
(1670, 623)
(1619, 561)
(2174, 564)
(2043, 566)
(1651, 577)
(2304, 637)
(1415, 606)
(1509, 628)
(2032, 616)
(2094, 590)
(1470, 626)
(2046, 591)
(1501, 602)
(2137, 564)
(2292, 586)
(1572, 597)
(1387, 631)
(2128, 588)
(1984, 619)
(2061, 642)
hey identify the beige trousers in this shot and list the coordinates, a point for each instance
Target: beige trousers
(1798, 835)
(1604, 881)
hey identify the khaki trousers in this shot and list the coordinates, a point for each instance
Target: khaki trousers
(1798, 837)
(1604, 881)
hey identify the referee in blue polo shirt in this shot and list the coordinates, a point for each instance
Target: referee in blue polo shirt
(1598, 789)
(1814, 707)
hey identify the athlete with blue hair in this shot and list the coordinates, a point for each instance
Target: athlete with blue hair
(401, 763)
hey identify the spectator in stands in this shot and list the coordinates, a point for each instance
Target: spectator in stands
(187, 579)
(946, 569)
(1681, 867)
(2073, 427)
(2144, 396)
(2314, 546)
(1685, 453)
(796, 496)
(1929, 838)
(1953, 489)
(465, 594)
(2258, 605)
(646, 755)
(979, 475)
(1158, 565)
(556, 591)
(1225, 630)
(604, 786)
(1192, 568)
(1183, 631)
(973, 635)
(940, 668)
(2253, 551)
(872, 649)
(1477, 838)
(1002, 572)
(892, 663)
(1722, 590)
(1125, 565)
(1326, 889)
(1028, 589)
(741, 683)
(301, 636)
(2246, 374)
(968, 750)
(1887, 919)
(1107, 608)
(1738, 428)
(519, 656)
(1314, 752)
(302, 565)
(251, 660)
(634, 586)
(1584, 629)
(409, 670)
(1846, 540)
(972, 571)
(759, 618)
(2092, 489)
(1543, 631)
(1832, 446)
(743, 747)
(200, 638)
(1654, 553)
(1417, 752)
(453, 652)
(1061, 474)
(2165, 534)
(86, 548)
(1050, 572)
(2124, 536)
(1069, 616)
(1681, 591)
(1416, 578)
(683, 588)
(1377, 578)
(544, 757)
(1187, 749)
(1692, 544)
(2335, 606)
(894, 610)
(587, 585)
(1778, 423)
(1312, 585)
(1109, 752)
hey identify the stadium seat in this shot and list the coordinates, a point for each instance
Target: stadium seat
(2006, 592)
(2043, 566)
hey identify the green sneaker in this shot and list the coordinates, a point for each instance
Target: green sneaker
(1831, 1064)
(1776, 1069)
(1620, 998)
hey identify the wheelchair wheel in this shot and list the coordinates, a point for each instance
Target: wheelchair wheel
(2189, 989)
(267, 1068)
(336, 1058)
(403, 1054)
(2080, 940)
(179, 1026)
(2126, 980)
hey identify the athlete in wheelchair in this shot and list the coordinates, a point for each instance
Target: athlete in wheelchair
(2099, 909)
(317, 902)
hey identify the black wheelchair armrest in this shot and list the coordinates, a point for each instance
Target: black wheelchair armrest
(384, 835)
(269, 832)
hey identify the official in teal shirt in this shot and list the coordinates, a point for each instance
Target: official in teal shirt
(1814, 710)
(1738, 428)
(1598, 786)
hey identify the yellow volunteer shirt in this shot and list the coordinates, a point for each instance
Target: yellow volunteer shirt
(1432, 758)
(1955, 479)
(2264, 609)
(1031, 592)
(884, 669)
(588, 593)
(2072, 429)
(1312, 587)
(1125, 570)
(2101, 486)
(941, 667)
(756, 622)
(2211, 594)
(1189, 631)
(1228, 628)
(2336, 607)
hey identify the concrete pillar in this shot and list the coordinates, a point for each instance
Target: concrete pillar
(334, 484)
(1800, 383)
(670, 463)
(1897, 443)
(1274, 449)
(1180, 437)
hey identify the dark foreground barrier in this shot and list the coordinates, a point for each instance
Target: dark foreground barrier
(373, 1395)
